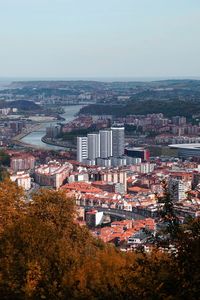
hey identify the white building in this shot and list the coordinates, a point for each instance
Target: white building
(4, 111)
(82, 148)
(93, 140)
(105, 143)
(146, 168)
(94, 218)
(178, 189)
(53, 174)
(22, 179)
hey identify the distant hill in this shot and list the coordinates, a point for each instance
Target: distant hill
(168, 108)
(95, 84)
(24, 105)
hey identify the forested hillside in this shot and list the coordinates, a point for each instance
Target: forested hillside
(169, 108)
(44, 254)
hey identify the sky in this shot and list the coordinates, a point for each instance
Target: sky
(99, 38)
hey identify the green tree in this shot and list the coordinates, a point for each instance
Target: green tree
(167, 213)
(4, 158)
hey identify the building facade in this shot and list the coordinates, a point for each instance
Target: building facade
(22, 162)
(22, 179)
(117, 141)
(105, 143)
(93, 140)
(82, 148)
(53, 174)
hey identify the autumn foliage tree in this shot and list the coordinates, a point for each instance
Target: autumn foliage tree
(44, 254)
(11, 202)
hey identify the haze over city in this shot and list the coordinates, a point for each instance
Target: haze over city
(99, 39)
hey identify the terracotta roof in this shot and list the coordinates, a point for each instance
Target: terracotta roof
(81, 187)
(138, 189)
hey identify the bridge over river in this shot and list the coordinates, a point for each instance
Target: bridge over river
(119, 213)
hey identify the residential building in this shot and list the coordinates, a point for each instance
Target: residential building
(118, 161)
(53, 131)
(117, 140)
(53, 174)
(105, 143)
(82, 148)
(21, 162)
(104, 162)
(94, 218)
(93, 140)
(178, 189)
(22, 179)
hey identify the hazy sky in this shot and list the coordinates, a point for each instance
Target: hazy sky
(99, 38)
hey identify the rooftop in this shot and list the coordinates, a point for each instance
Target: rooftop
(192, 146)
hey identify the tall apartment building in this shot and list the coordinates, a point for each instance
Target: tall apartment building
(117, 141)
(93, 140)
(53, 174)
(53, 131)
(178, 189)
(21, 162)
(82, 148)
(105, 143)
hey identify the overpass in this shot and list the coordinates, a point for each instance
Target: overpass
(119, 213)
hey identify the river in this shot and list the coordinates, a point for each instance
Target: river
(34, 138)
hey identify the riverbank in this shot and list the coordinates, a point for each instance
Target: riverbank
(26, 145)
(65, 145)
(36, 137)
(27, 131)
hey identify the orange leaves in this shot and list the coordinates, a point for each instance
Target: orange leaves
(52, 207)
(11, 202)
(33, 277)
(45, 255)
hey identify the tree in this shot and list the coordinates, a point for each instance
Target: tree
(44, 254)
(188, 259)
(11, 203)
(4, 158)
(167, 212)
(52, 207)
(3, 173)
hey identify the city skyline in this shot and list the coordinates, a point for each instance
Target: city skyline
(99, 149)
(80, 40)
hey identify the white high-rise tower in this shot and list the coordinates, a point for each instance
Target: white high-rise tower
(82, 148)
(93, 145)
(117, 141)
(105, 143)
